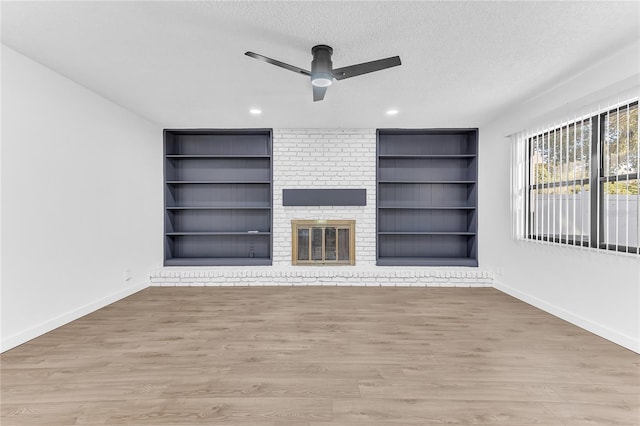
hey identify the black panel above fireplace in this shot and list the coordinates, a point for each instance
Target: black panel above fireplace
(324, 197)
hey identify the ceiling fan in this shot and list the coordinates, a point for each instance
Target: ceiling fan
(322, 71)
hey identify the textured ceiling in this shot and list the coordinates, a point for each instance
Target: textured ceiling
(181, 64)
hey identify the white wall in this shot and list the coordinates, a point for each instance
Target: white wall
(595, 290)
(81, 200)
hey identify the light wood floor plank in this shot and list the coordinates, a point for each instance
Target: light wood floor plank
(319, 356)
(455, 389)
(429, 412)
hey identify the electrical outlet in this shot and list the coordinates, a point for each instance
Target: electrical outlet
(127, 275)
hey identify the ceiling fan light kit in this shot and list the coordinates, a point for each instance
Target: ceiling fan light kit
(322, 72)
(322, 80)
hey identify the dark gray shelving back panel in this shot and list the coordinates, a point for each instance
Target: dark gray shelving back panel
(218, 197)
(430, 246)
(426, 142)
(425, 169)
(203, 142)
(218, 169)
(421, 220)
(218, 220)
(427, 197)
(225, 246)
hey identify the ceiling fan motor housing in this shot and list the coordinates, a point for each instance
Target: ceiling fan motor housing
(321, 66)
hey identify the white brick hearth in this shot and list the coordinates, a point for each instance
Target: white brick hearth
(307, 275)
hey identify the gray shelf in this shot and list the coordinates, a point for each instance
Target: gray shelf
(433, 261)
(456, 182)
(233, 207)
(427, 197)
(182, 156)
(220, 261)
(217, 189)
(436, 156)
(425, 233)
(173, 234)
(183, 182)
(416, 207)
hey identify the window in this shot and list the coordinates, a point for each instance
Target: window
(583, 182)
(618, 179)
(559, 164)
(323, 242)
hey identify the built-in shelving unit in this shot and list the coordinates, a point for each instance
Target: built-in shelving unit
(218, 197)
(427, 197)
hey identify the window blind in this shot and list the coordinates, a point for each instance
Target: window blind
(576, 182)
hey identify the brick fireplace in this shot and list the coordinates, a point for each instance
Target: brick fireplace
(315, 159)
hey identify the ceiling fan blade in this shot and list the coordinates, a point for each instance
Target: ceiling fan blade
(364, 68)
(277, 63)
(318, 93)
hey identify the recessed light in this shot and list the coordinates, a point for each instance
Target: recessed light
(255, 111)
(392, 112)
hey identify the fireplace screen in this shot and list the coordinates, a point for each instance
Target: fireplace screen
(324, 242)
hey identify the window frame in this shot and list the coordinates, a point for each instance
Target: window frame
(596, 179)
(602, 179)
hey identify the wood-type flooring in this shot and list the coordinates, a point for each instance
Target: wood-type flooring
(319, 356)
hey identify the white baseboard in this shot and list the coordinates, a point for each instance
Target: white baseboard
(24, 336)
(629, 342)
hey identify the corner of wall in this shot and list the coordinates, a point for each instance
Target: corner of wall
(9, 342)
(629, 342)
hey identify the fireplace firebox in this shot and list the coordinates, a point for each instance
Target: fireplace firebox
(323, 242)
